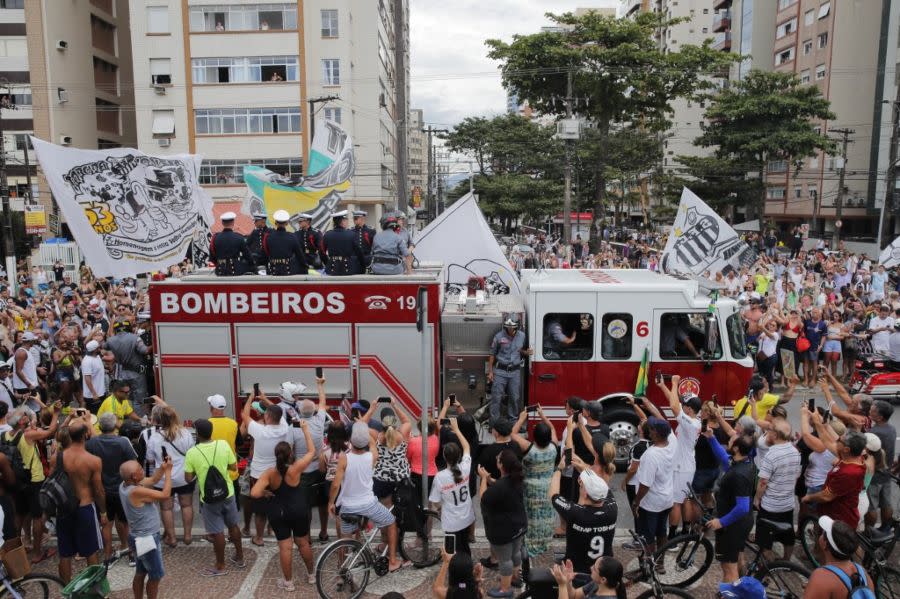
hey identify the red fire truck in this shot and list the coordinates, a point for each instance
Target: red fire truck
(222, 335)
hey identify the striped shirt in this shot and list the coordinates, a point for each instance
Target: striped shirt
(781, 467)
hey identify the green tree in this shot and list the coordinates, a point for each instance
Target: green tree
(722, 182)
(620, 77)
(766, 116)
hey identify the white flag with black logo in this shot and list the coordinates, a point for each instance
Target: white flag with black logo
(129, 212)
(890, 256)
(701, 241)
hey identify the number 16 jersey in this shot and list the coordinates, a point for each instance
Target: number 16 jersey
(457, 511)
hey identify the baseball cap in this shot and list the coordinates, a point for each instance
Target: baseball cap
(827, 523)
(217, 401)
(595, 487)
(28, 336)
(203, 427)
(92, 346)
(660, 426)
(743, 588)
(5, 365)
(873, 443)
(359, 435)
(692, 401)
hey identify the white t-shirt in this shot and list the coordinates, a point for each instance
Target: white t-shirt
(881, 342)
(655, 472)
(687, 433)
(457, 511)
(6, 393)
(265, 438)
(769, 345)
(92, 366)
(175, 450)
(820, 464)
(781, 468)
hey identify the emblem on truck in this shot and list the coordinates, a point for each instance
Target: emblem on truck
(378, 302)
(689, 386)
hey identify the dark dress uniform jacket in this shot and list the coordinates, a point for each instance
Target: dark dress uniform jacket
(230, 253)
(284, 253)
(345, 254)
(311, 242)
(365, 236)
(255, 243)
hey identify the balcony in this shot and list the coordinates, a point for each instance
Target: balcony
(722, 21)
(719, 4)
(722, 41)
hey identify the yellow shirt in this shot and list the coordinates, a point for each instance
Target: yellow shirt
(225, 429)
(120, 408)
(768, 401)
(30, 457)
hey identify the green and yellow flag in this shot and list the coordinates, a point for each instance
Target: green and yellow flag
(640, 387)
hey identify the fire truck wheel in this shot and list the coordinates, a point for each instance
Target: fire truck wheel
(623, 432)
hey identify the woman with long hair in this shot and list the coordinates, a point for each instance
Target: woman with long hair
(505, 518)
(289, 513)
(607, 580)
(450, 493)
(834, 342)
(463, 578)
(392, 466)
(335, 444)
(170, 439)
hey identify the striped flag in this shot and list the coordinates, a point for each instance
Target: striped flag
(640, 387)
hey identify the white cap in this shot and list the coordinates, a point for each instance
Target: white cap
(92, 346)
(281, 216)
(826, 523)
(339, 214)
(595, 487)
(28, 336)
(290, 389)
(873, 443)
(217, 401)
(228, 216)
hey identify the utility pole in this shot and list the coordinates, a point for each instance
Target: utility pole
(567, 197)
(839, 205)
(887, 207)
(401, 110)
(312, 115)
(9, 246)
(432, 161)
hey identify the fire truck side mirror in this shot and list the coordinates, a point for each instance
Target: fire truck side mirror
(712, 335)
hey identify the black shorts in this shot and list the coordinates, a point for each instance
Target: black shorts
(261, 506)
(26, 500)
(9, 517)
(766, 535)
(286, 525)
(383, 488)
(114, 510)
(565, 487)
(313, 485)
(187, 489)
(730, 540)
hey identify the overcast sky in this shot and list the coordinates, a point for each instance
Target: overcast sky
(451, 76)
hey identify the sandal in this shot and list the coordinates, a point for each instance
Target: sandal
(47, 554)
(400, 567)
(323, 537)
(286, 585)
(260, 544)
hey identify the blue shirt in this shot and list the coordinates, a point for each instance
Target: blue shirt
(814, 332)
(506, 349)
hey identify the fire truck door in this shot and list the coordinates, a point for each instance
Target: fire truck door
(390, 362)
(270, 354)
(194, 363)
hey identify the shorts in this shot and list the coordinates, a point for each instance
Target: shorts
(652, 525)
(114, 510)
(730, 540)
(9, 517)
(26, 501)
(879, 495)
(565, 486)
(379, 515)
(383, 488)
(705, 480)
(286, 525)
(79, 533)
(219, 516)
(93, 404)
(186, 489)
(765, 535)
(681, 482)
(149, 564)
(832, 346)
(258, 507)
(811, 354)
(312, 484)
(62, 376)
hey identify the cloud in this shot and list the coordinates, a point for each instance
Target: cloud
(451, 76)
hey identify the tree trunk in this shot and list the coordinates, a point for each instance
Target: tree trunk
(761, 209)
(599, 216)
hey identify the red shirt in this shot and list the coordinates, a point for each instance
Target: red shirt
(845, 481)
(414, 454)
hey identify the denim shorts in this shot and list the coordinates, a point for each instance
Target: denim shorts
(219, 516)
(150, 563)
(705, 479)
(379, 515)
(652, 525)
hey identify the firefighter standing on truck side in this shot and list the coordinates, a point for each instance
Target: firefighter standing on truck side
(255, 238)
(282, 249)
(508, 351)
(364, 235)
(344, 253)
(310, 240)
(229, 250)
(129, 351)
(389, 253)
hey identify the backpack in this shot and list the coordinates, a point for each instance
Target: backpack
(57, 495)
(10, 448)
(856, 588)
(215, 488)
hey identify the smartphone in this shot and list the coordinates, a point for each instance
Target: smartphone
(567, 456)
(255, 389)
(165, 454)
(812, 404)
(319, 372)
(384, 399)
(704, 425)
(148, 401)
(532, 408)
(450, 544)
(659, 377)
(445, 422)
(452, 398)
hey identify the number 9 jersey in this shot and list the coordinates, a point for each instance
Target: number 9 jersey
(589, 530)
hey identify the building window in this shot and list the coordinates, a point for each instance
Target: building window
(12, 3)
(332, 114)
(249, 69)
(804, 76)
(812, 190)
(782, 4)
(13, 46)
(247, 121)
(164, 123)
(331, 71)
(786, 28)
(824, 10)
(807, 47)
(157, 19)
(784, 56)
(706, 11)
(23, 139)
(161, 71)
(778, 166)
(239, 17)
(809, 17)
(329, 23)
(705, 30)
(820, 72)
(798, 191)
(231, 171)
(775, 193)
(387, 177)
(616, 339)
(568, 336)
(823, 40)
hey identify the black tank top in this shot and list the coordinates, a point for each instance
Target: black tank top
(290, 498)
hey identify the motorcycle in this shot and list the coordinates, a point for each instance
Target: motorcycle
(877, 375)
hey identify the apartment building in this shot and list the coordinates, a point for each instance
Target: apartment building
(848, 51)
(747, 28)
(417, 172)
(236, 83)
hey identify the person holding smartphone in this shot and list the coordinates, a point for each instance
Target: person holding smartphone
(509, 348)
(450, 491)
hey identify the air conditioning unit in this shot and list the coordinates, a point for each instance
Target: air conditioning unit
(165, 142)
(62, 45)
(160, 90)
(62, 95)
(568, 129)
(65, 140)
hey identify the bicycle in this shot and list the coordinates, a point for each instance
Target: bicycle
(30, 586)
(646, 573)
(92, 581)
(783, 579)
(876, 550)
(344, 567)
(686, 558)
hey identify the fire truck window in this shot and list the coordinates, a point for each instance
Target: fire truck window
(683, 337)
(736, 336)
(616, 337)
(568, 336)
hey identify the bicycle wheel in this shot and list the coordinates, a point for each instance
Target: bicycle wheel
(806, 530)
(783, 579)
(887, 584)
(664, 592)
(420, 547)
(36, 586)
(685, 559)
(342, 570)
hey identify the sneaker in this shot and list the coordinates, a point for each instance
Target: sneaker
(487, 563)
(132, 561)
(212, 572)
(311, 579)
(286, 585)
(632, 546)
(660, 568)
(239, 564)
(497, 593)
